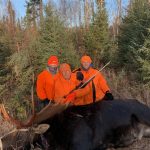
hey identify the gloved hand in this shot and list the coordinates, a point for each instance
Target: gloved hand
(108, 96)
(79, 76)
(45, 102)
(70, 97)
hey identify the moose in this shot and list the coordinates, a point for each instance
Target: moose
(96, 126)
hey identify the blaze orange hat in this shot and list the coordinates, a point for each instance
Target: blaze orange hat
(85, 58)
(53, 60)
(64, 67)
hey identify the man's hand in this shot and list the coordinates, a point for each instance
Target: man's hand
(108, 96)
(45, 102)
(79, 76)
(70, 97)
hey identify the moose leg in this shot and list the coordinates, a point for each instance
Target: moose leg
(140, 129)
(147, 132)
(123, 136)
(82, 137)
(143, 131)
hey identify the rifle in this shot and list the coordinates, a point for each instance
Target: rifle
(88, 81)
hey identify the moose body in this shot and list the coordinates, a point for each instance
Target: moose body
(98, 126)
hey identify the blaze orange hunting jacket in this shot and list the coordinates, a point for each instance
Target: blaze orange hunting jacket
(81, 93)
(100, 85)
(63, 87)
(45, 85)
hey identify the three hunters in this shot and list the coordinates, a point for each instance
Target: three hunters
(82, 86)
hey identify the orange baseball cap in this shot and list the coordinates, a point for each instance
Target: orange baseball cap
(85, 58)
(53, 60)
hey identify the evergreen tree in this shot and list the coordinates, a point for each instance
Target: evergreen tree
(18, 54)
(55, 39)
(34, 12)
(8, 45)
(22, 70)
(144, 60)
(97, 41)
(133, 31)
(5, 52)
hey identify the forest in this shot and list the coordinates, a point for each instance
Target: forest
(70, 29)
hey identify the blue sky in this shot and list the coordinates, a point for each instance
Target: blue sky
(19, 6)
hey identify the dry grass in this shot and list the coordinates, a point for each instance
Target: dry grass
(122, 87)
(144, 144)
(5, 127)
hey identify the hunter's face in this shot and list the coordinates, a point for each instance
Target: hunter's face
(53, 68)
(86, 65)
(66, 74)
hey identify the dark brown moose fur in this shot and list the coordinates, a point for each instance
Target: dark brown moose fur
(116, 123)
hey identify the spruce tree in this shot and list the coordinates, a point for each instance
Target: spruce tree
(5, 52)
(55, 39)
(133, 31)
(144, 60)
(97, 42)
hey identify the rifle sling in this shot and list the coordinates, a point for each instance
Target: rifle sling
(93, 92)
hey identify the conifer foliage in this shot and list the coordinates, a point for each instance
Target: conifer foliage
(97, 42)
(70, 29)
(133, 33)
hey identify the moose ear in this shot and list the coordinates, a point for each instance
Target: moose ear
(42, 128)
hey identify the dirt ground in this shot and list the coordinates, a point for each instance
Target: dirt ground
(143, 144)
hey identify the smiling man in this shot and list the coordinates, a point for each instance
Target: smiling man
(65, 86)
(99, 89)
(45, 80)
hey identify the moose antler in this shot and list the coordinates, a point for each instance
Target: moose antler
(7, 117)
(47, 112)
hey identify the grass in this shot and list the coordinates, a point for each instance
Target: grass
(124, 88)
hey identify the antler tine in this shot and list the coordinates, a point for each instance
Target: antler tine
(9, 118)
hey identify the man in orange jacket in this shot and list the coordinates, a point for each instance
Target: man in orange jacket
(99, 89)
(65, 83)
(45, 80)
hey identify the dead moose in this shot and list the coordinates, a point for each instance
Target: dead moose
(97, 126)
